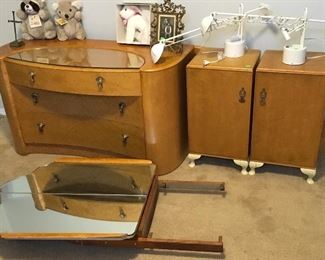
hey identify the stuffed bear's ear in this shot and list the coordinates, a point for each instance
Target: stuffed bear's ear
(77, 4)
(55, 6)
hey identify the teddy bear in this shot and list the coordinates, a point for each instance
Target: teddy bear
(36, 20)
(137, 28)
(68, 20)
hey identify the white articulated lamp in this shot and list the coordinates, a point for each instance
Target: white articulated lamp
(234, 47)
(294, 54)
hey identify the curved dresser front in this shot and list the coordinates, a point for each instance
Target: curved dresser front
(96, 98)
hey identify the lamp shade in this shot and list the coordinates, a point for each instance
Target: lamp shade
(206, 23)
(156, 51)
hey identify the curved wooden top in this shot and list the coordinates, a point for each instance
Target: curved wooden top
(271, 61)
(168, 60)
(245, 63)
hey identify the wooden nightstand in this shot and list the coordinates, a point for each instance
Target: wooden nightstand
(219, 100)
(288, 117)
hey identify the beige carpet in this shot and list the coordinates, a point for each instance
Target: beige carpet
(273, 215)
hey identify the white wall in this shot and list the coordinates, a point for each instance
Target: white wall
(99, 20)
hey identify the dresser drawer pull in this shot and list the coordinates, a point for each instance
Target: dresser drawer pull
(41, 127)
(35, 98)
(32, 77)
(122, 107)
(64, 205)
(263, 96)
(242, 96)
(125, 139)
(122, 214)
(100, 82)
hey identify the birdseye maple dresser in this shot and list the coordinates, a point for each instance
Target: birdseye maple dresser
(96, 98)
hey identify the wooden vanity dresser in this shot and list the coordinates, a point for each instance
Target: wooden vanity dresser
(96, 98)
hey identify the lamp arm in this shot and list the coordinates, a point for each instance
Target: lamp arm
(180, 35)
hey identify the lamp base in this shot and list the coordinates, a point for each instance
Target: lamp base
(294, 55)
(235, 48)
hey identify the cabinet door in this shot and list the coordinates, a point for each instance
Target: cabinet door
(219, 105)
(287, 119)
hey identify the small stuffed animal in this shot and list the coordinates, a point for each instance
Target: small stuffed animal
(137, 29)
(36, 20)
(68, 20)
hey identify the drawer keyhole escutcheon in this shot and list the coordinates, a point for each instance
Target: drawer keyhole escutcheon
(125, 139)
(122, 107)
(41, 127)
(35, 97)
(100, 82)
(242, 96)
(32, 77)
(263, 96)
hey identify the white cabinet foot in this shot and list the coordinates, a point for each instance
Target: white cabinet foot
(243, 164)
(192, 157)
(310, 173)
(253, 165)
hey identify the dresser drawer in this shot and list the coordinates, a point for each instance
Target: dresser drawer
(121, 109)
(101, 82)
(83, 132)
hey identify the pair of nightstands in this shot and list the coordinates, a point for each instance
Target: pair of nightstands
(256, 111)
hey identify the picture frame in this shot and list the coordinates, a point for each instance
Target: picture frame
(125, 23)
(167, 22)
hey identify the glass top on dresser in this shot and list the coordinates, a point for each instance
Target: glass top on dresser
(81, 57)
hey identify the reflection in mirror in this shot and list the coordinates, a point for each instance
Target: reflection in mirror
(76, 198)
(81, 57)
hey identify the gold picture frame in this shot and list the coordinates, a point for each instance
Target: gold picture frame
(167, 22)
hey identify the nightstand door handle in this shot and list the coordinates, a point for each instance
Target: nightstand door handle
(263, 97)
(100, 82)
(242, 96)
(122, 107)
(125, 139)
(32, 77)
(41, 127)
(35, 98)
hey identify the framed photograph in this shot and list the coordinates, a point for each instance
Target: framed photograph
(166, 26)
(133, 23)
(167, 21)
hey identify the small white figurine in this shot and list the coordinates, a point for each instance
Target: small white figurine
(137, 28)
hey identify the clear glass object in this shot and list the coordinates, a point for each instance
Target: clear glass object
(76, 198)
(81, 57)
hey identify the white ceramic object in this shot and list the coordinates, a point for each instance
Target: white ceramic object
(243, 164)
(235, 48)
(310, 173)
(294, 55)
(192, 157)
(253, 165)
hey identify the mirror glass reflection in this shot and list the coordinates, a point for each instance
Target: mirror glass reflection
(76, 198)
(81, 57)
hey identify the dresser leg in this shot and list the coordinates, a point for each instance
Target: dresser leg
(310, 173)
(243, 164)
(253, 165)
(192, 157)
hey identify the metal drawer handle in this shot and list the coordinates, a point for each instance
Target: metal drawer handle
(100, 82)
(125, 138)
(122, 214)
(242, 96)
(263, 97)
(64, 205)
(32, 77)
(41, 127)
(35, 98)
(122, 107)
